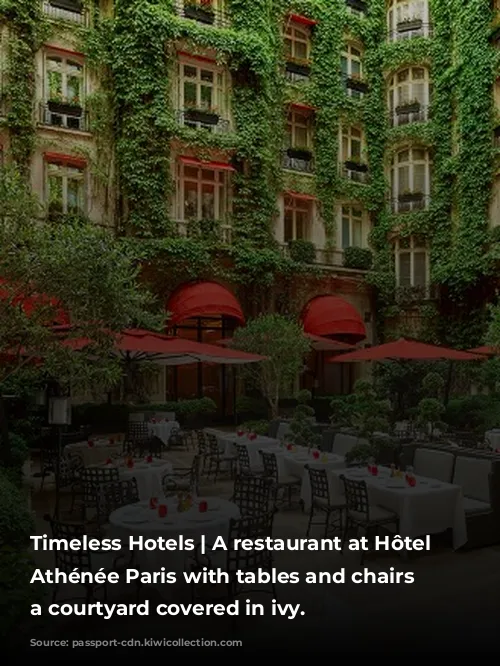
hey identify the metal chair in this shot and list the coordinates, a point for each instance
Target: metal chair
(183, 478)
(216, 458)
(244, 464)
(286, 483)
(321, 500)
(253, 495)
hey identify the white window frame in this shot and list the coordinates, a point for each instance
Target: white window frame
(293, 124)
(222, 194)
(220, 88)
(298, 204)
(351, 58)
(297, 33)
(66, 172)
(66, 60)
(401, 10)
(402, 92)
(347, 212)
(412, 250)
(397, 165)
(346, 132)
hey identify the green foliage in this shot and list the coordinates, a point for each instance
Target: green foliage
(258, 427)
(430, 411)
(474, 412)
(358, 257)
(433, 385)
(302, 430)
(302, 251)
(362, 410)
(282, 342)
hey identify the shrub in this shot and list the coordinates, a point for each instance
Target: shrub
(358, 257)
(259, 427)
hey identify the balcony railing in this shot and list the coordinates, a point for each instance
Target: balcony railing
(355, 171)
(297, 72)
(410, 29)
(354, 85)
(205, 14)
(221, 231)
(411, 201)
(66, 10)
(64, 116)
(405, 114)
(206, 120)
(296, 162)
(327, 258)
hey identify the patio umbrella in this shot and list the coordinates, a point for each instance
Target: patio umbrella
(405, 349)
(485, 350)
(318, 343)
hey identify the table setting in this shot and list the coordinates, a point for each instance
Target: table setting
(424, 505)
(95, 451)
(253, 442)
(148, 473)
(162, 428)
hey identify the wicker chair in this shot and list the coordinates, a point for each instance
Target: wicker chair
(321, 501)
(285, 484)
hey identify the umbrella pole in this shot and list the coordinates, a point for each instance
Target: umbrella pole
(447, 387)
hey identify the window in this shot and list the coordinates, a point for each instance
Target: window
(352, 70)
(411, 179)
(65, 10)
(208, 12)
(297, 43)
(409, 95)
(352, 227)
(411, 262)
(64, 80)
(299, 129)
(202, 193)
(202, 97)
(407, 19)
(298, 218)
(65, 189)
(352, 142)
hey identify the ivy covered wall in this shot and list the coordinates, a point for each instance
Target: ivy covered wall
(136, 51)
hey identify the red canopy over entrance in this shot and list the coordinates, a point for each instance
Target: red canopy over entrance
(203, 299)
(332, 316)
(33, 302)
(405, 349)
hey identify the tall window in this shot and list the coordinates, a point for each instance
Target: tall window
(411, 179)
(299, 129)
(202, 86)
(352, 69)
(412, 267)
(297, 43)
(407, 19)
(64, 80)
(202, 193)
(352, 227)
(352, 143)
(409, 95)
(298, 218)
(65, 189)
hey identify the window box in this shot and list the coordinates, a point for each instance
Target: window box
(202, 14)
(403, 109)
(302, 69)
(65, 109)
(358, 5)
(409, 25)
(299, 154)
(75, 6)
(411, 197)
(202, 117)
(356, 166)
(356, 84)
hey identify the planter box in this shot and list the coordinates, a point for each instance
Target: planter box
(299, 154)
(356, 166)
(296, 68)
(359, 5)
(407, 108)
(75, 6)
(65, 109)
(410, 197)
(204, 117)
(199, 14)
(356, 84)
(408, 26)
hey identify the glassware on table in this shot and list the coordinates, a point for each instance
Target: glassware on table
(162, 510)
(153, 502)
(409, 476)
(203, 506)
(371, 465)
(393, 471)
(315, 455)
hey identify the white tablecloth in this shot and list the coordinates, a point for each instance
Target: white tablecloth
(428, 508)
(163, 430)
(140, 520)
(283, 430)
(228, 440)
(147, 475)
(294, 463)
(96, 454)
(492, 439)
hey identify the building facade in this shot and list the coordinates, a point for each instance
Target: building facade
(313, 156)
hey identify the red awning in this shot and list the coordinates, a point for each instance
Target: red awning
(333, 316)
(217, 166)
(300, 195)
(406, 349)
(33, 302)
(298, 18)
(203, 299)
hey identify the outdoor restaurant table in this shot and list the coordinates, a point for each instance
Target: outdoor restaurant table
(148, 475)
(283, 429)
(429, 507)
(228, 440)
(162, 429)
(139, 520)
(294, 463)
(98, 453)
(492, 438)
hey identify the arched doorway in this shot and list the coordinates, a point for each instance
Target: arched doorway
(331, 317)
(205, 312)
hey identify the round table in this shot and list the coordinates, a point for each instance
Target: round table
(98, 453)
(139, 520)
(162, 430)
(148, 475)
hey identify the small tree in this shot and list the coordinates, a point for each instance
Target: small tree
(431, 408)
(302, 431)
(281, 340)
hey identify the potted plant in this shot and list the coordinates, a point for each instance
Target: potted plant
(355, 82)
(299, 153)
(205, 116)
(408, 196)
(355, 164)
(202, 12)
(412, 106)
(66, 107)
(302, 430)
(300, 66)
(409, 23)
